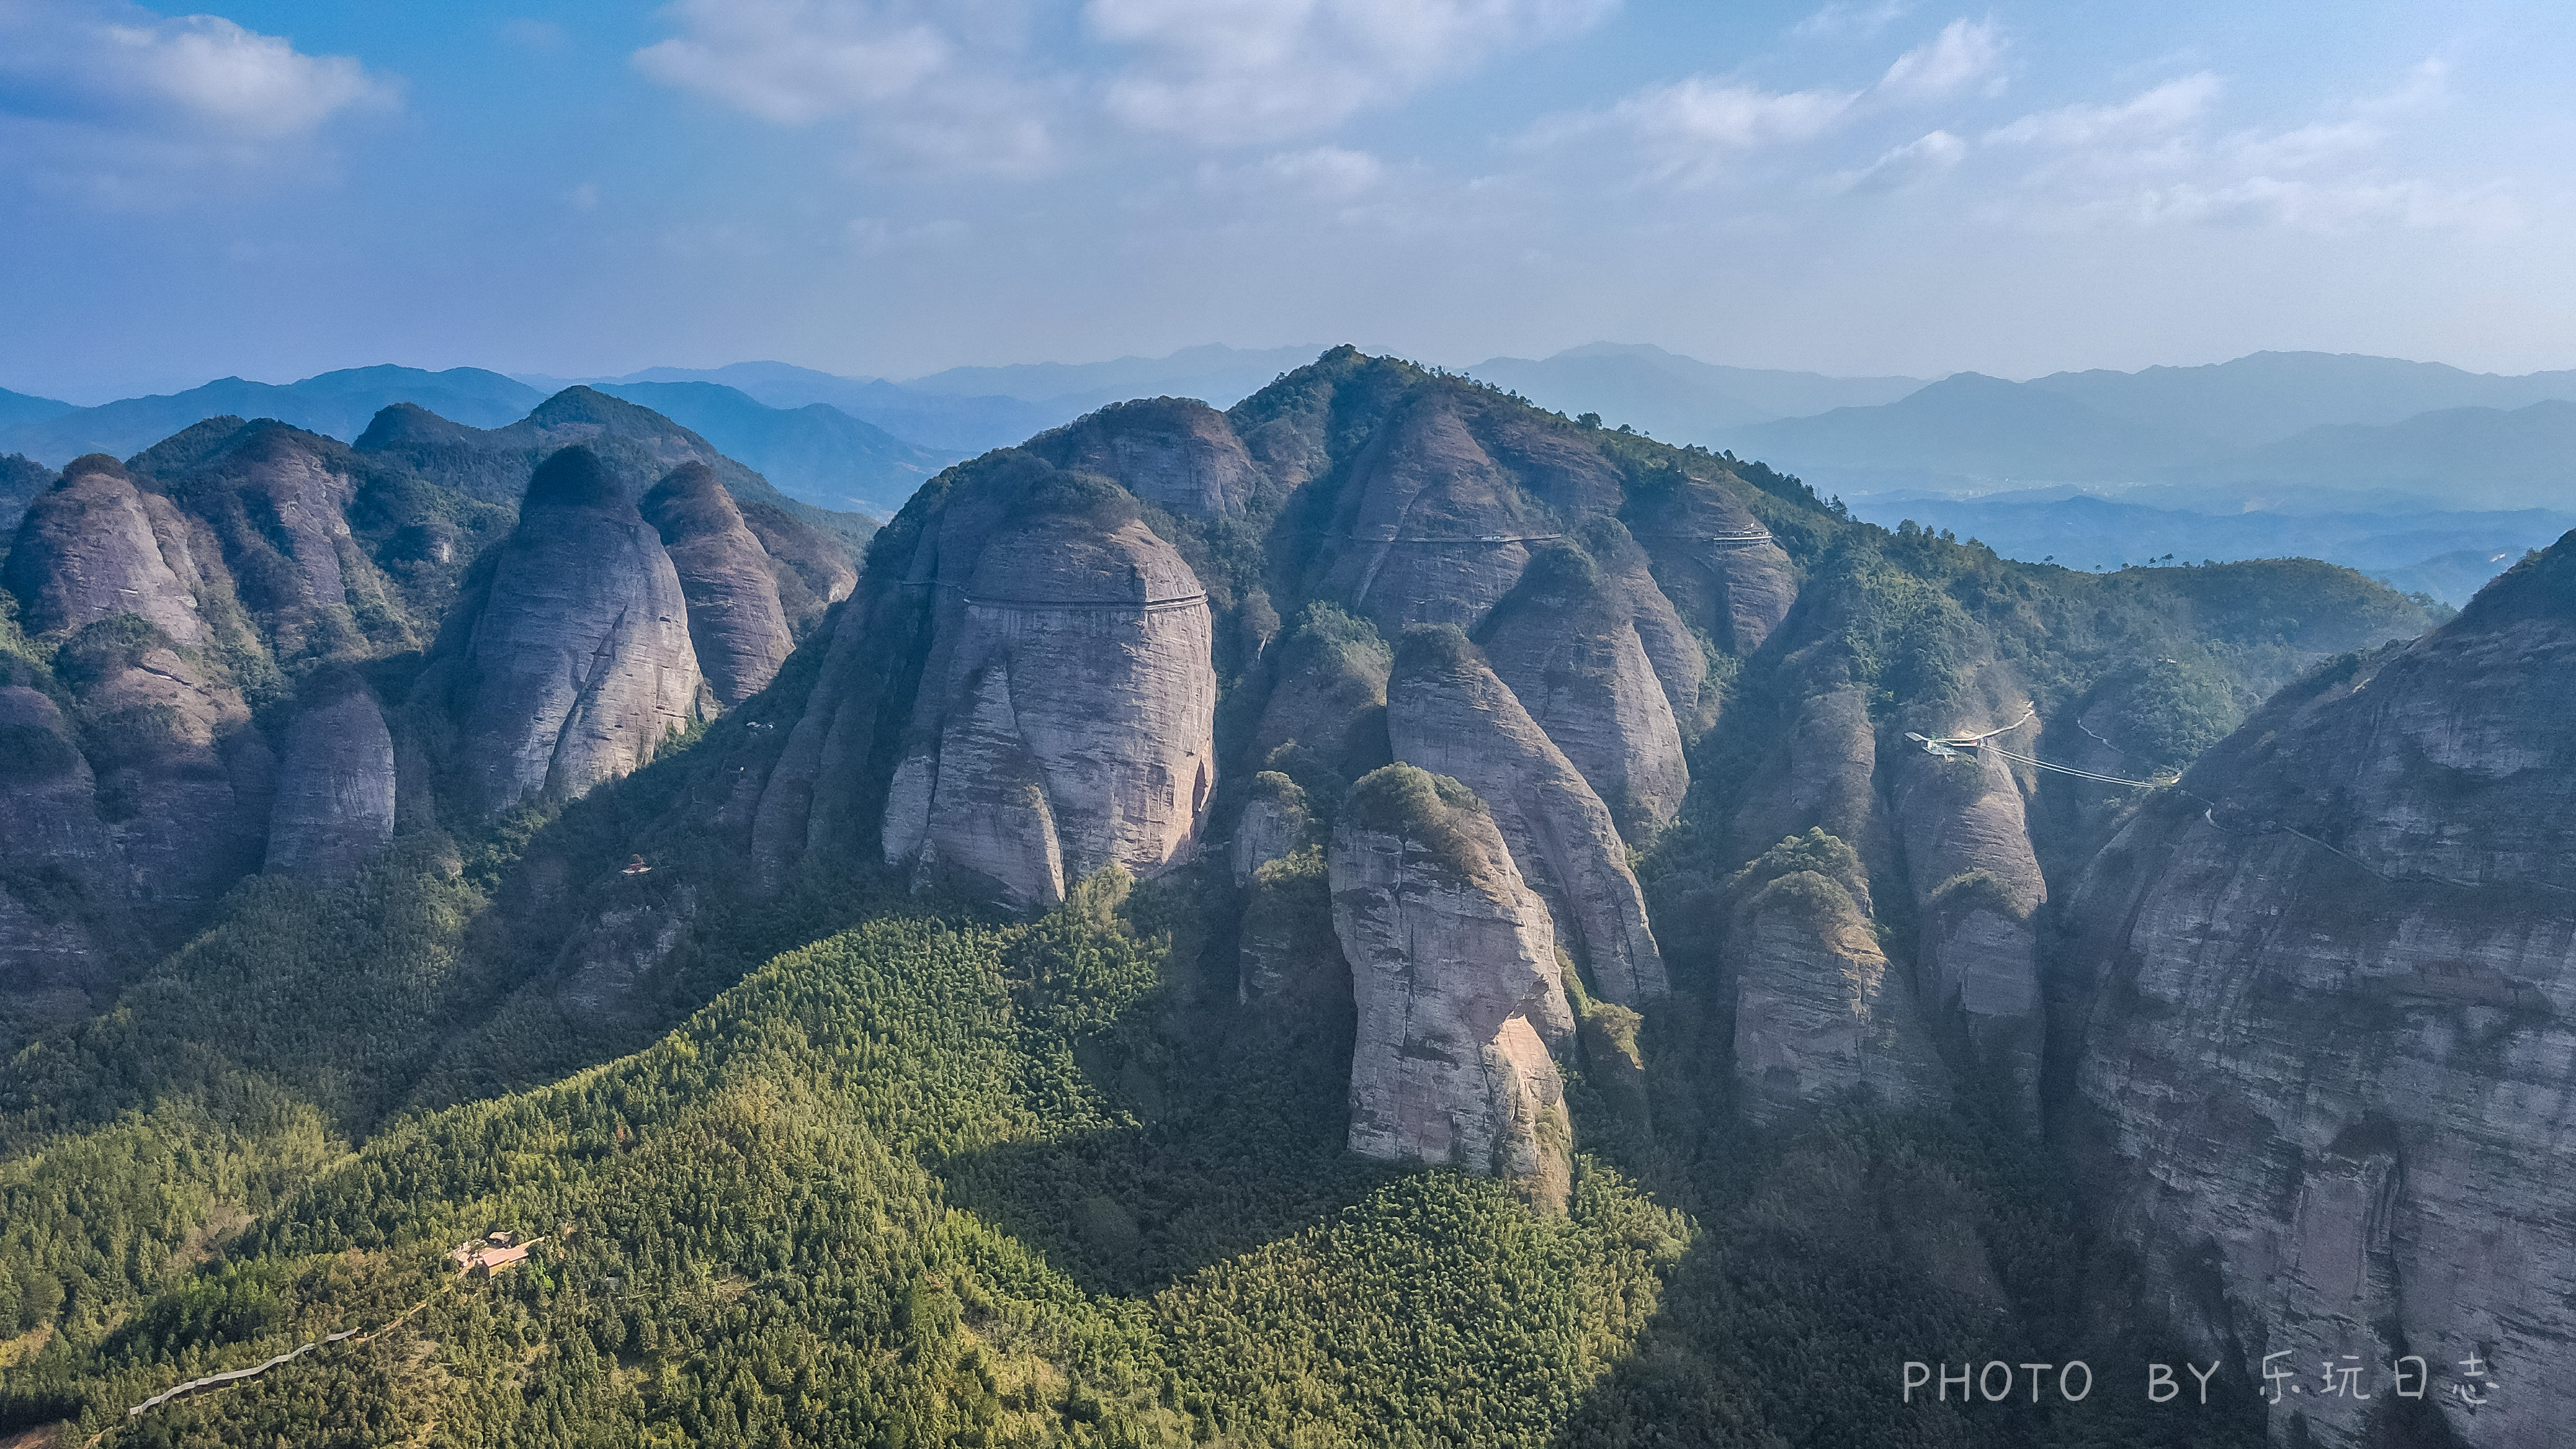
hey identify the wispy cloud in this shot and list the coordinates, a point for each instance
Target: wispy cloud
(1844, 18)
(945, 86)
(1694, 131)
(2161, 158)
(962, 84)
(1234, 71)
(130, 107)
(1967, 54)
(795, 63)
(1917, 161)
(2152, 112)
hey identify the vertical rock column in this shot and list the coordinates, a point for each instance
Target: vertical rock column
(736, 623)
(1817, 1013)
(1976, 883)
(1453, 966)
(579, 663)
(183, 781)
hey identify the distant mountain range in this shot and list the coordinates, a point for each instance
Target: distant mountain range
(17, 408)
(811, 452)
(336, 404)
(971, 410)
(2448, 554)
(1675, 398)
(2268, 423)
(2271, 433)
(816, 452)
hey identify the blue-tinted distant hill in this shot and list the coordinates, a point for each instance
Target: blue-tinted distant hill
(816, 452)
(2470, 457)
(17, 408)
(1675, 398)
(973, 409)
(2446, 553)
(1215, 374)
(338, 404)
(1970, 426)
(2269, 396)
(2269, 422)
(966, 425)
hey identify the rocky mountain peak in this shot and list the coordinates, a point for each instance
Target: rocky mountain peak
(1176, 453)
(736, 621)
(97, 546)
(577, 663)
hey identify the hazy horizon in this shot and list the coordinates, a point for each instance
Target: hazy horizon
(94, 395)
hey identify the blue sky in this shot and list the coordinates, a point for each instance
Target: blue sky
(886, 188)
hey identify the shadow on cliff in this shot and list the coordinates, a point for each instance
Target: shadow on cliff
(1838, 1244)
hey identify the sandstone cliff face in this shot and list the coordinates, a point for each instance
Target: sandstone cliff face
(279, 503)
(1818, 1013)
(1825, 777)
(335, 788)
(736, 625)
(1716, 561)
(1287, 959)
(49, 828)
(1436, 531)
(182, 782)
(1976, 881)
(1567, 644)
(1453, 967)
(97, 546)
(1274, 822)
(1449, 714)
(578, 663)
(1066, 716)
(808, 550)
(2337, 1087)
(1175, 453)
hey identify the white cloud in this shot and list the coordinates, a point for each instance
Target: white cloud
(1259, 70)
(794, 61)
(1842, 18)
(1690, 132)
(2305, 147)
(1325, 173)
(1917, 161)
(112, 99)
(2165, 108)
(924, 84)
(2427, 87)
(1967, 53)
(2331, 207)
(959, 83)
(2157, 160)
